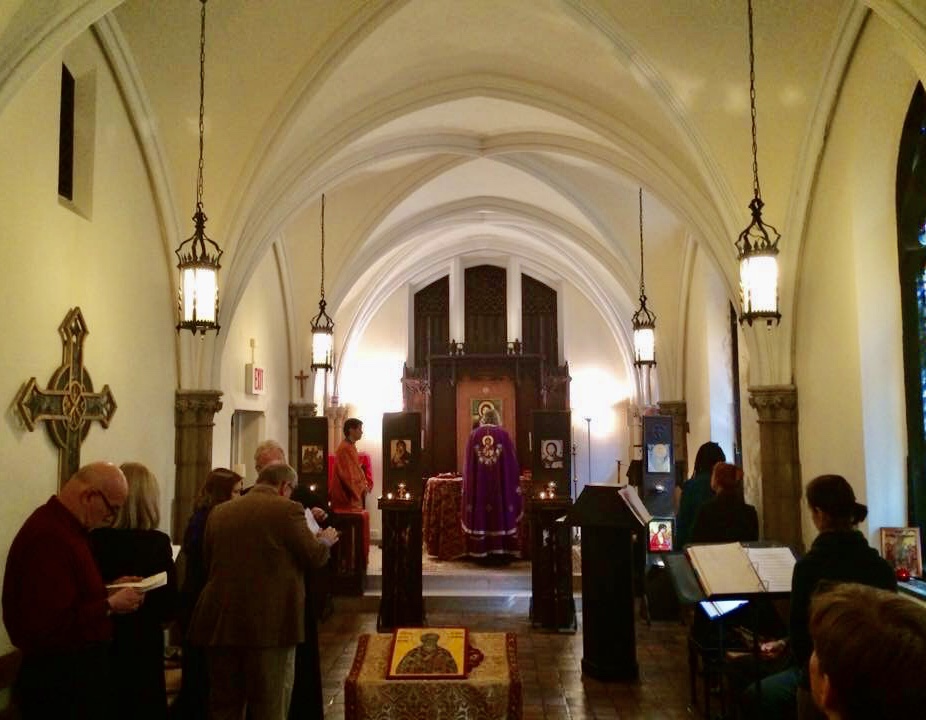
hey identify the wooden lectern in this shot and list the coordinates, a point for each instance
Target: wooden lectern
(401, 604)
(552, 604)
(609, 646)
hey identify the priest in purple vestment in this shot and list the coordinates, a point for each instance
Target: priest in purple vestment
(491, 494)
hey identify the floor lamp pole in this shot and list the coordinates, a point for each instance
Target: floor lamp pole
(588, 436)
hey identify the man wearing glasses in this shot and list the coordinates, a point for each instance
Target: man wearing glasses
(55, 605)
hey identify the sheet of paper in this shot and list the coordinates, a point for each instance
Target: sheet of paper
(311, 522)
(724, 569)
(144, 585)
(774, 566)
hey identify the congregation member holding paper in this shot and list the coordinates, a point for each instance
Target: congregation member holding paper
(134, 546)
(840, 554)
(56, 608)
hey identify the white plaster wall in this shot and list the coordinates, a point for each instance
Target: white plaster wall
(849, 368)
(260, 316)
(114, 266)
(599, 389)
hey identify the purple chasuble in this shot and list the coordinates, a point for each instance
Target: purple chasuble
(491, 494)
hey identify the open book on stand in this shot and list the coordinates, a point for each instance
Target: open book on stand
(735, 569)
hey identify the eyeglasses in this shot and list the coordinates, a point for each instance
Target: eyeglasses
(111, 510)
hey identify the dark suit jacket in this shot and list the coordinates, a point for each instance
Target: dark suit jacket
(257, 549)
(725, 518)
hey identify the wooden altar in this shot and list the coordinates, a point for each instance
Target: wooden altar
(432, 391)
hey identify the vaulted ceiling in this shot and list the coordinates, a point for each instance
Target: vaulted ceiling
(443, 128)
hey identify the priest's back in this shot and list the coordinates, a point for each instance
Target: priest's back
(492, 502)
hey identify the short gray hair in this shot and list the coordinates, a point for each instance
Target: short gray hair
(263, 454)
(277, 475)
(490, 417)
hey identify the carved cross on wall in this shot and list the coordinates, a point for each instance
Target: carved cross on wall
(301, 378)
(68, 405)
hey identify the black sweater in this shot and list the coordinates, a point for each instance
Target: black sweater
(835, 557)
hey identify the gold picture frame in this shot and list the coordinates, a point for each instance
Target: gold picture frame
(901, 547)
(422, 653)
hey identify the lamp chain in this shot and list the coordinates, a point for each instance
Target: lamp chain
(752, 103)
(202, 86)
(642, 286)
(323, 248)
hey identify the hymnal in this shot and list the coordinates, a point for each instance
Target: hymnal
(144, 585)
(734, 569)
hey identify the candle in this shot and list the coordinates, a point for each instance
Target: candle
(389, 496)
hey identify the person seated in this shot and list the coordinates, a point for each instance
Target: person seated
(869, 650)
(839, 554)
(491, 497)
(696, 491)
(726, 517)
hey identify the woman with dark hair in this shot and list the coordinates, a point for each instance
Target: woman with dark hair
(221, 485)
(697, 490)
(840, 554)
(135, 546)
(726, 517)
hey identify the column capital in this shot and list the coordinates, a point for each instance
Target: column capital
(300, 410)
(774, 403)
(197, 401)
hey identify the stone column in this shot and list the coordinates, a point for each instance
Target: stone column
(296, 411)
(776, 406)
(194, 418)
(678, 409)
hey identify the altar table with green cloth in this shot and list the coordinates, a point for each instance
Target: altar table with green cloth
(491, 691)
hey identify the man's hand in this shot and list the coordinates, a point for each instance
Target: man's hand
(319, 514)
(327, 536)
(125, 600)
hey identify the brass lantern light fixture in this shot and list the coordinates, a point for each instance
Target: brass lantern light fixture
(757, 246)
(322, 324)
(198, 256)
(644, 320)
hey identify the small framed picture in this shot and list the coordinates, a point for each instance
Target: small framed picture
(438, 652)
(400, 453)
(658, 457)
(312, 459)
(901, 548)
(661, 534)
(551, 454)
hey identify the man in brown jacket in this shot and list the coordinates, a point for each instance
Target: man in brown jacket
(250, 615)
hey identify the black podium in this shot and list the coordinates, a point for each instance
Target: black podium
(401, 604)
(609, 645)
(552, 604)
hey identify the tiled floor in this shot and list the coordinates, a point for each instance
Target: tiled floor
(549, 663)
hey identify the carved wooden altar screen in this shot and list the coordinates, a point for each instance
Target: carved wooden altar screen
(431, 386)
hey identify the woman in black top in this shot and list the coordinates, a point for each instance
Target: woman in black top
(134, 546)
(726, 517)
(840, 554)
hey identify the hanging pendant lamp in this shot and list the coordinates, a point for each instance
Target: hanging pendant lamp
(322, 324)
(757, 246)
(198, 256)
(644, 320)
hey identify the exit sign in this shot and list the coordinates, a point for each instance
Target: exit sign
(254, 379)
